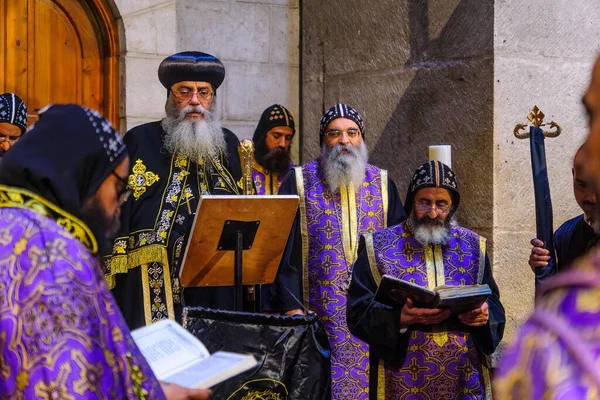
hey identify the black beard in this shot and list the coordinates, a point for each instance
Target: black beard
(94, 216)
(276, 160)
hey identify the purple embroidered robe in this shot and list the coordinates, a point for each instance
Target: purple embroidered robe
(330, 225)
(556, 353)
(442, 361)
(266, 183)
(61, 333)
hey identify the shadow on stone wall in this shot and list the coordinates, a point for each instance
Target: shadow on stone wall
(420, 72)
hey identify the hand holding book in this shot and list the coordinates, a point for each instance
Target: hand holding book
(476, 317)
(412, 315)
(468, 302)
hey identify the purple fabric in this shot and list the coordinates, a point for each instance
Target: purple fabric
(61, 332)
(573, 343)
(329, 271)
(540, 362)
(259, 178)
(452, 370)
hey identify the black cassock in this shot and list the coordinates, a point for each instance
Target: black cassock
(143, 267)
(571, 240)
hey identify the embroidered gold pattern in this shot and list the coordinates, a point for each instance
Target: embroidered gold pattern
(141, 179)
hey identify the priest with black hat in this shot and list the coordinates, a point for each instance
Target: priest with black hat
(272, 141)
(174, 162)
(13, 120)
(426, 352)
(342, 196)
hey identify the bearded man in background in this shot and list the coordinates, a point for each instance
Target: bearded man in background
(273, 141)
(174, 162)
(341, 197)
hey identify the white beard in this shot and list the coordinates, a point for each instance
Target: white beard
(192, 138)
(431, 234)
(344, 168)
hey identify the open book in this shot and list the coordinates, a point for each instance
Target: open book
(393, 292)
(176, 356)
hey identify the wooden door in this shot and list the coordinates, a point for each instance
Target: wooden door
(59, 51)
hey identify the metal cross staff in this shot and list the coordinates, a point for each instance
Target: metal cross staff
(541, 187)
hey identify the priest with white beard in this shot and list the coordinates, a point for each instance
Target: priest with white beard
(174, 162)
(341, 197)
(421, 352)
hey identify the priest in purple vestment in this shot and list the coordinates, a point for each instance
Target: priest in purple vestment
(341, 197)
(272, 142)
(62, 335)
(556, 353)
(420, 353)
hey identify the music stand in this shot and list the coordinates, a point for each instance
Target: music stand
(224, 228)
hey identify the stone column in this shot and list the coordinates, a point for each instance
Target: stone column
(543, 55)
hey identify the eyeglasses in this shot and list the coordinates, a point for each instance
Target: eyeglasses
(336, 133)
(125, 193)
(184, 95)
(425, 208)
(9, 138)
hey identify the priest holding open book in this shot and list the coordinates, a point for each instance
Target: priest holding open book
(429, 353)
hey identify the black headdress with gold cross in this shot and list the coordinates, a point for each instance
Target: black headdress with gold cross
(432, 174)
(275, 115)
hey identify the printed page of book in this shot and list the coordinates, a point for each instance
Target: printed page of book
(208, 372)
(168, 347)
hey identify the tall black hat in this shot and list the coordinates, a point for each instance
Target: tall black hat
(191, 66)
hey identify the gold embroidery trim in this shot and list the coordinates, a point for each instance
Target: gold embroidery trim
(152, 253)
(168, 291)
(381, 380)
(384, 195)
(435, 271)
(482, 250)
(439, 266)
(110, 281)
(12, 197)
(371, 256)
(304, 233)
(146, 292)
(349, 223)
(430, 266)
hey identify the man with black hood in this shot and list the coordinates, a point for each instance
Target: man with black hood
(175, 161)
(61, 333)
(272, 143)
(422, 352)
(13, 120)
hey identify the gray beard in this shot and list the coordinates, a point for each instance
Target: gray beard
(432, 234)
(344, 168)
(194, 139)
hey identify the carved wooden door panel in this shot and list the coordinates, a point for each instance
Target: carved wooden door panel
(55, 51)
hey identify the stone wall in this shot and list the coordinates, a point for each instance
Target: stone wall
(257, 40)
(543, 55)
(420, 73)
(459, 72)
